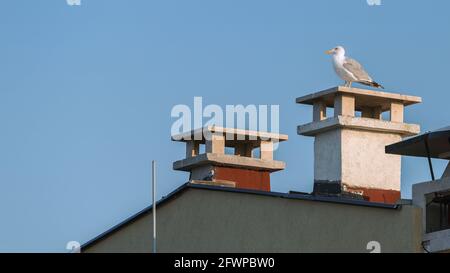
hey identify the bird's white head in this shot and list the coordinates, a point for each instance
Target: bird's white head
(337, 51)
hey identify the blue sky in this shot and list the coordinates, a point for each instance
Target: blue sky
(86, 93)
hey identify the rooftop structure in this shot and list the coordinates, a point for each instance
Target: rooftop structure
(240, 169)
(349, 153)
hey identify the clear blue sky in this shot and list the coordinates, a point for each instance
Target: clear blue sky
(86, 93)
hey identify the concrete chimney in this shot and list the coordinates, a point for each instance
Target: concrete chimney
(239, 169)
(349, 148)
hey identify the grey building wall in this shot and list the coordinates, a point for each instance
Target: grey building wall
(201, 220)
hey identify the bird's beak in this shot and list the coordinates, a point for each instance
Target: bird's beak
(329, 52)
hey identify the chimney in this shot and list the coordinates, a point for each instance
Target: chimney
(349, 148)
(239, 169)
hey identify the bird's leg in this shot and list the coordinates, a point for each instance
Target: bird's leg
(349, 84)
(346, 83)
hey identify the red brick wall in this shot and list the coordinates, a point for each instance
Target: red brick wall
(244, 179)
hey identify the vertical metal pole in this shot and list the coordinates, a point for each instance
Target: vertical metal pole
(430, 164)
(154, 203)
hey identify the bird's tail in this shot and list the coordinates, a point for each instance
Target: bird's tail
(373, 84)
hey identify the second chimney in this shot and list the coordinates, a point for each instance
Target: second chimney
(349, 150)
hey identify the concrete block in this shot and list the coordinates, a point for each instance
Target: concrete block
(344, 105)
(354, 158)
(327, 156)
(319, 110)
(396, 112)
(364, 163)
(266, 150)
(242, 162)
(215, 145)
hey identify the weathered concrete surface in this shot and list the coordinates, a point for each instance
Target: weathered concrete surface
(364, 98)
(319, 110)
(215, 145)
(230, 133)
(397, 112)
(266, 150)
(328, 156)
(344, 105)
(357, 159)
(201, 220)
(364, 162)
(228, 161)
(368, 124)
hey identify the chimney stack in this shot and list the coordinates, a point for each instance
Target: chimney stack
(239, 169)
(349, 149)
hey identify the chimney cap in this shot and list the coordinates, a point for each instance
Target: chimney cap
(235, 133)
(214, 154)
(363, 97)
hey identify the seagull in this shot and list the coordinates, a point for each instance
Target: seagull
(349, 69)
(210, 176)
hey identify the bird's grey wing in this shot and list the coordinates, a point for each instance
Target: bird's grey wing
(357, 70)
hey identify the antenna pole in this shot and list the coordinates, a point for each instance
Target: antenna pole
(154, 203)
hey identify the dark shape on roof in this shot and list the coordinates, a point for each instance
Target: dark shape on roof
(290, 195)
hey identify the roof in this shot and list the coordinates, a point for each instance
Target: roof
(364, 98)
(438, 142)
(291, 195)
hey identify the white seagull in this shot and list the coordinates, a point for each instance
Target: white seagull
(350, 70)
